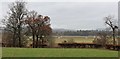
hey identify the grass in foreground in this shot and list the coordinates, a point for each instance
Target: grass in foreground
(57, 52)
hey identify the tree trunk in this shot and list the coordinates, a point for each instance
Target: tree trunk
(33, 36)
(113, 36)
(41, 42)
(14, 39)
(36, 41)
(19, 35)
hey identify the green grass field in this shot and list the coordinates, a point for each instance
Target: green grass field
(57, 52)
(60, 52)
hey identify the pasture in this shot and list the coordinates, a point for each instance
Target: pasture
(57, 52)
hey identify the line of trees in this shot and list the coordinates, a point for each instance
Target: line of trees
(19, 19)
(81, 33)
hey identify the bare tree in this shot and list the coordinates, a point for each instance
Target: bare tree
(14, 20)
(109, 22)
(101, 38)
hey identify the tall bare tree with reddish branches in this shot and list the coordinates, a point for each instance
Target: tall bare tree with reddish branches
(40, 27)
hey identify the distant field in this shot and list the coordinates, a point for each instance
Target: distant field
(75, 39)
(57, 52)
(71, 39)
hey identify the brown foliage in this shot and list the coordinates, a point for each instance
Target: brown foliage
(40, 27)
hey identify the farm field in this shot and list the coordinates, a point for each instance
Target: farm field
(77, 39)
(57, 52)
(71, 39)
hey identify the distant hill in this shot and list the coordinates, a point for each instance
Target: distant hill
(61, 30)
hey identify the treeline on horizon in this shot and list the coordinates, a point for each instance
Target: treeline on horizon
(82, 33)
(77, 32)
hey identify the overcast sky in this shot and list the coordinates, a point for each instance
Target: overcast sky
(72, 15)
